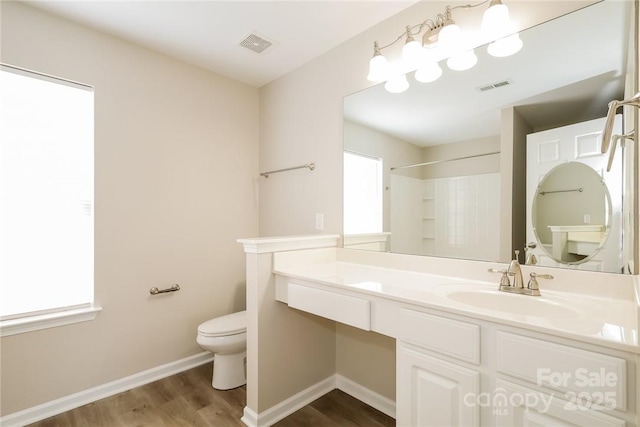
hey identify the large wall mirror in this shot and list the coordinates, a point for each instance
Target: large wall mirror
(432, 171)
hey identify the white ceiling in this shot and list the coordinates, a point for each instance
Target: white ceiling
(207, 33)
(572, 82)
(567, 72)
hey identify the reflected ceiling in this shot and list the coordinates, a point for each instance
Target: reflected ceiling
(454, 109)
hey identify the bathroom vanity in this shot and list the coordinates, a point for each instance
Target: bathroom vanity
(470, 355)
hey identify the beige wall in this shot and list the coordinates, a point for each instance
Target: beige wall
(301, 121)
(287, 350)
(176, 153)
(367, 358)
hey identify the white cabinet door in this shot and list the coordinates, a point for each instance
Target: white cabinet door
(431, 392)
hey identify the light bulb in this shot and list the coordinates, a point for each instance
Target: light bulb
(428, 72)
(397, 84)
(378, 68)
(450, 38)
(495, 21)
(462, 61)
(505, 46)
(412, 54)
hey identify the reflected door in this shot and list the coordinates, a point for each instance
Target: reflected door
(545, 151)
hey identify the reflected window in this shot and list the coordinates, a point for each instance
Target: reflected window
(362, 194)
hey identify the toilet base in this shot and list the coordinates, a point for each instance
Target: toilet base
(229, 371)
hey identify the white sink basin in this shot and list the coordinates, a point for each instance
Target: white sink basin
(513, 303)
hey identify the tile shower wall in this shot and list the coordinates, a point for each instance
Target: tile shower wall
(449, 217)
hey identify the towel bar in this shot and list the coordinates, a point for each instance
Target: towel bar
(156, 291)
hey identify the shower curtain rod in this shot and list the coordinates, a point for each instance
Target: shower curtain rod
(444, 161)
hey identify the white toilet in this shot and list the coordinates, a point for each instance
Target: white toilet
(226, 338)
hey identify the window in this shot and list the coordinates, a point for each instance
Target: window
(362, 194)
(46, 195)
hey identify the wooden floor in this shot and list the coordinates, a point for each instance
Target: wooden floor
(187, 399)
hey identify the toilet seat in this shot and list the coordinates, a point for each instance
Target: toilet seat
(231, 324)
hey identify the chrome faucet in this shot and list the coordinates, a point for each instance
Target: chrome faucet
(517, 286)
(515, 271)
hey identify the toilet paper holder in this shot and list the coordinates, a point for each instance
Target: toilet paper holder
(156, 291)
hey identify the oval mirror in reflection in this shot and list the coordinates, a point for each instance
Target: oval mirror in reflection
(571, 213)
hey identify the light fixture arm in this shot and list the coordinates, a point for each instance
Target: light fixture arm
(431, 24)
(376, 49)
(442, 37)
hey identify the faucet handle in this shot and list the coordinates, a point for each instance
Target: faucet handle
(505, 283)
(532, 286)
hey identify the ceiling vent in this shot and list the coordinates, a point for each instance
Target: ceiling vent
(494, 85)
(256, 43)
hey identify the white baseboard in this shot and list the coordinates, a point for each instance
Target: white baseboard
(288, 406)
(300, 400)
(58, 406)
(250, 418)
(366, 395)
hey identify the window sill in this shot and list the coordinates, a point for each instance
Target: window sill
(45, 321)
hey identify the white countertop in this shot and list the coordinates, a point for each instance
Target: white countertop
(598, 319)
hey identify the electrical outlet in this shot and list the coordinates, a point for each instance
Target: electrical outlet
(319, 221)
(587, 219)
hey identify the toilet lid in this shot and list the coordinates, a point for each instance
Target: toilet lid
(235, 323)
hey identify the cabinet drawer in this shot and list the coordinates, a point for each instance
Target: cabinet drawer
(446, 336)
(515, 405)
(331, 305)
(577, 373)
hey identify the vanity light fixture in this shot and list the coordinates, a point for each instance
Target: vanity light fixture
(442, 37)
